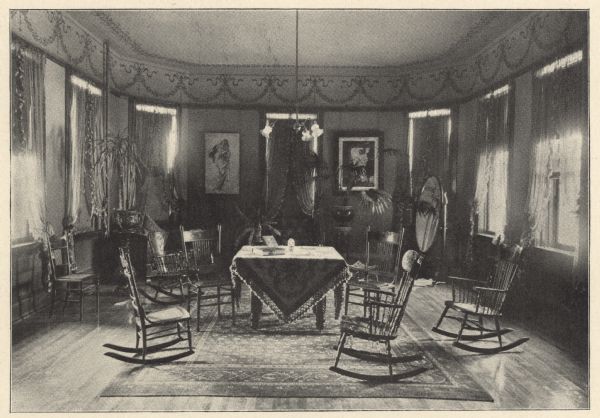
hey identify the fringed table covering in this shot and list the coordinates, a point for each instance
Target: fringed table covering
(291, 283)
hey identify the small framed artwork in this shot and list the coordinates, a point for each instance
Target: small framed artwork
(222, 163)
(359, 161)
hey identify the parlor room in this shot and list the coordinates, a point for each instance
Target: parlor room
(299, 209)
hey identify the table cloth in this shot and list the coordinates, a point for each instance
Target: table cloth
(293, 282)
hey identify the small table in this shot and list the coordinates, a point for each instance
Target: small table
(292, 282)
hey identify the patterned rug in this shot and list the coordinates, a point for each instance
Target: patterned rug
(292, 360)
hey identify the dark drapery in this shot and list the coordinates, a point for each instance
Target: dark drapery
(277, 161)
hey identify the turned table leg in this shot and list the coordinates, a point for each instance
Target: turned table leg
(255, 310)
(338, 295)
(320, 313)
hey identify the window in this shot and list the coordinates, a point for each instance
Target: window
(84, 205)
(558, 126)
(428, 145)
(156, 133)
(28, 204)
(290, 188)
(492, 168)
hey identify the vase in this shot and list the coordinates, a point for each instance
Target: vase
(342, 214)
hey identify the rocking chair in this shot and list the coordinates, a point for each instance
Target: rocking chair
(166, 271)
(163, 320)
(385, 310)
(482, 300)
(382, 263)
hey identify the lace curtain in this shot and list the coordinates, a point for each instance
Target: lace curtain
(155, 133)
(492, 169)
(28, 200)
(558, 125)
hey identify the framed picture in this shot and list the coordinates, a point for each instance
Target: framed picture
(222, 163)
(359, 162)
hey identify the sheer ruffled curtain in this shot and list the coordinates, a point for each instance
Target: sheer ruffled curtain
(557, 146)
(152, 135)
(76, 105)
(277, 167)
(27, 169)
(492, 171)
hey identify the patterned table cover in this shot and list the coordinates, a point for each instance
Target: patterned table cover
(293, 282)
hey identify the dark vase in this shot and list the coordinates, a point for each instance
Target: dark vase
(342, 214)
(127, 220)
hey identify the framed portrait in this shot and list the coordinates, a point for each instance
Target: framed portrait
(222, 163)
(359, 161)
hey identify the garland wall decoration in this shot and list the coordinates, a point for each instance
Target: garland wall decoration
(541, 35)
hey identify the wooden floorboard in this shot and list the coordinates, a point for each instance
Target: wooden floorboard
(57, 364)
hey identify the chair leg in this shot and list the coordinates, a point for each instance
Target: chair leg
(189, 334)
(389, 357)
(232, 306)
(480, 325)
(445, 311)
(144, 345)
(462, 327)
(98, 301)
(497, 321)
(52, 297)
(67, 292)
(346, 296)
(198, 299)
(137, 337)
(340, 348)
(219, 302)
(80, 301)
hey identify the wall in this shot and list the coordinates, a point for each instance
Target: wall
(394, 127)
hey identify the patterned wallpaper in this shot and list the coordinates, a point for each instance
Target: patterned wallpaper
(543, 34)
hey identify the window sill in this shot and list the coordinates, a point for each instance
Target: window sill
(487, 234)
(568, 253)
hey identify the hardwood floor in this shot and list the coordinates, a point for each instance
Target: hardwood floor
(58, 365)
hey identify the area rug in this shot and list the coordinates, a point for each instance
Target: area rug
(291, 361)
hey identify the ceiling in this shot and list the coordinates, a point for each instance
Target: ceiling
(379, 38)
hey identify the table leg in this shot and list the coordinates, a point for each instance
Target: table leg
(255, 310)
(320, 313)
(338, 294)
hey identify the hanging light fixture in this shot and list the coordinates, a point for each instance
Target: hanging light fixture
(310, 129)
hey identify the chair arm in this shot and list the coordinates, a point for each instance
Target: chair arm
(464, 279)
(489, 289)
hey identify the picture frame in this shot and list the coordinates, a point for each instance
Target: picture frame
(222, 163)
(359, 153)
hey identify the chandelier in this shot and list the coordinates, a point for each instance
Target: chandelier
(308, 128)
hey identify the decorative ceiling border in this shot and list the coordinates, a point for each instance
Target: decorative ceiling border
(544, 34)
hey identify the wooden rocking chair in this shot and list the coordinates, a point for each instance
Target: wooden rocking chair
(385, 310)
(162, 320)
(482, 300)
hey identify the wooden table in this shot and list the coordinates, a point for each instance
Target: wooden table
(292, 282)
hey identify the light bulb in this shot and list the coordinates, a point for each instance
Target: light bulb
(266, 131)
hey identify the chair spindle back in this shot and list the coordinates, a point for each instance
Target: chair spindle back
(384, 250)
(127, 271)
(200, 246)
(385, 318)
